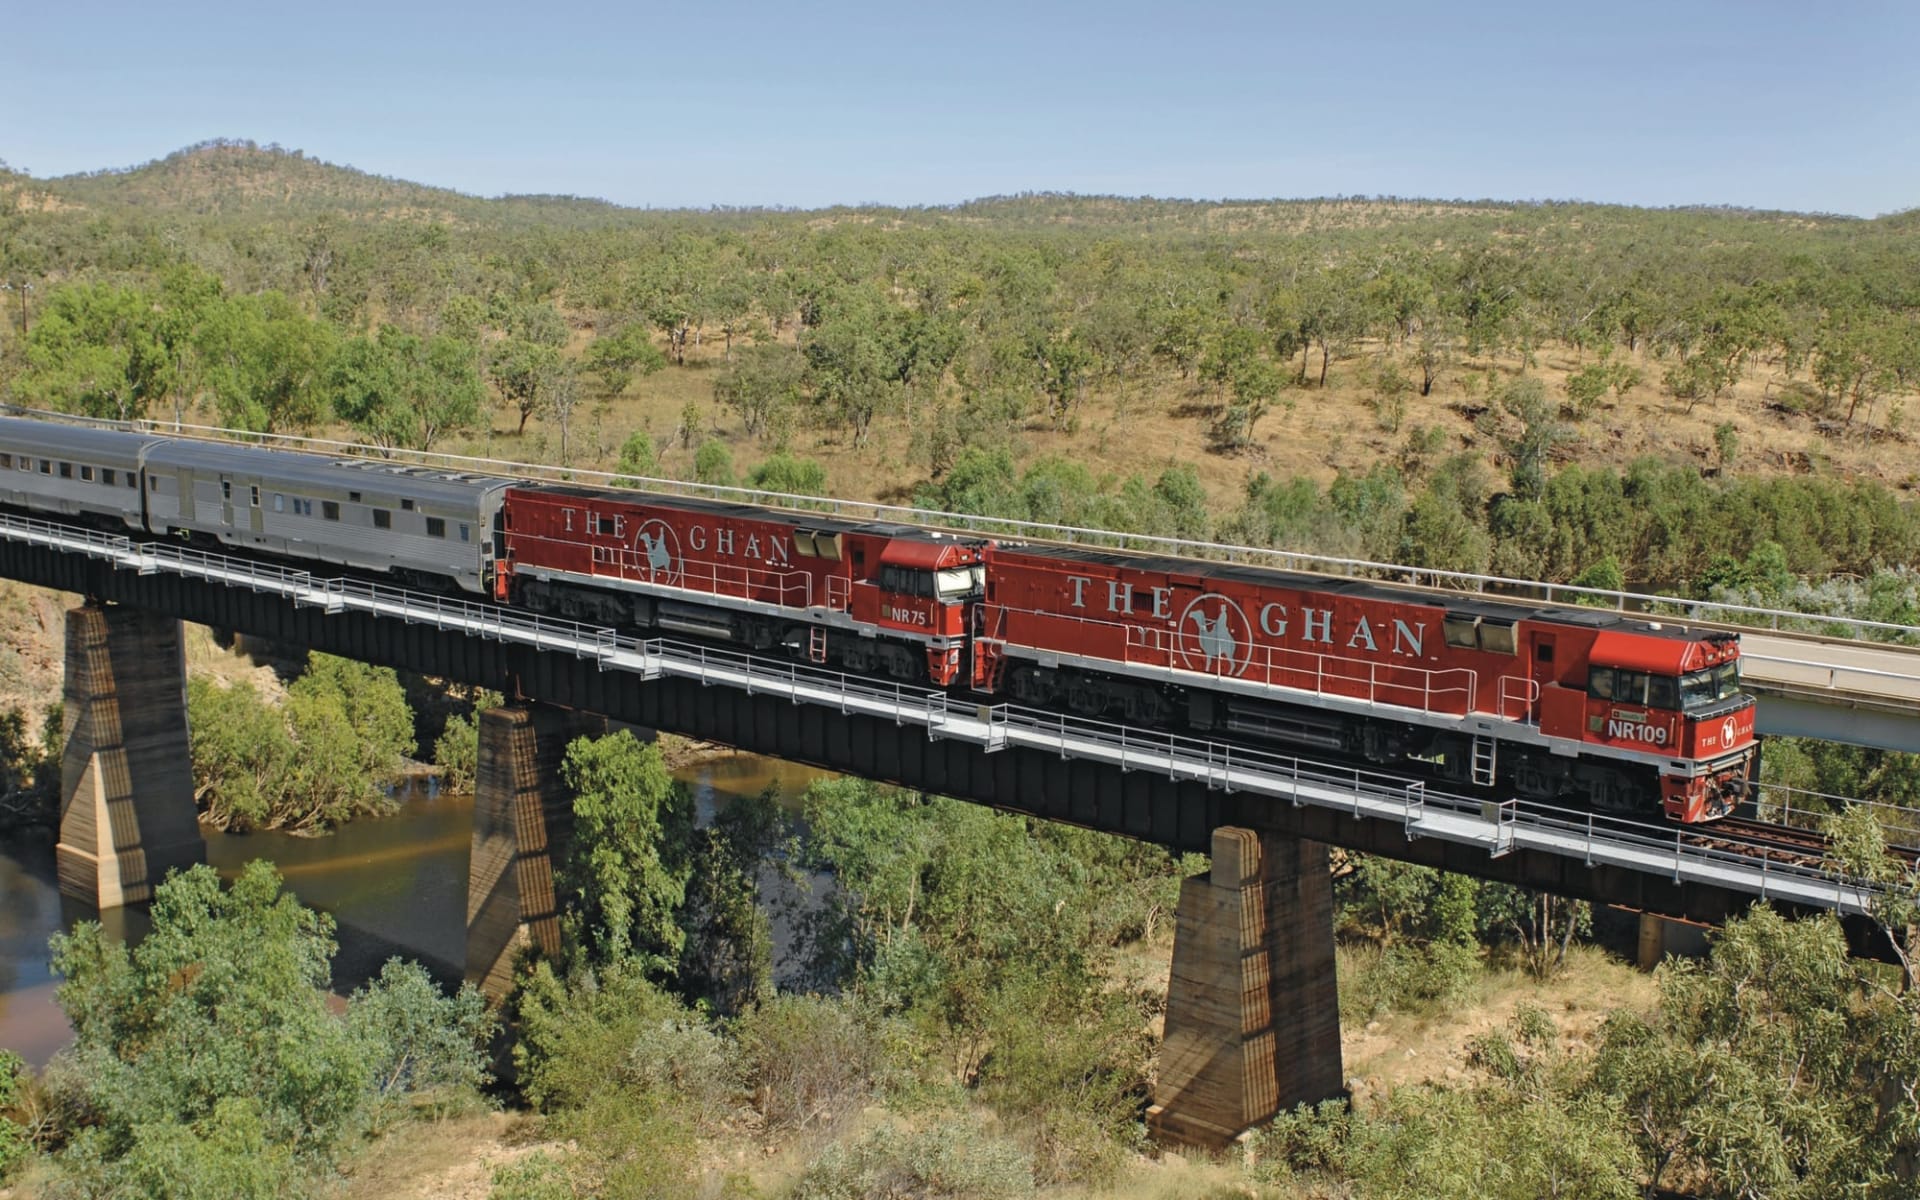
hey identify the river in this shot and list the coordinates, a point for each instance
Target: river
(397, 885)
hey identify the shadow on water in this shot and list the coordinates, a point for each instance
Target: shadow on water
(395, 886)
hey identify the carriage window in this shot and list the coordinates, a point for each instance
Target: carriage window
(253, 494)
(382, 519)
(86, 473)
(226, 489)
(279, 502)
(464, 533)
(66, 470)
(436, 527)
(131, 481)
(6, 460)
(46, 466)
(406, 505)
(107, 476)
(330, 509)
(353, 497)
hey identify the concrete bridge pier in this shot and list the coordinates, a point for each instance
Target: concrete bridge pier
(1253, 1012)
(126, 782)
(522, 822)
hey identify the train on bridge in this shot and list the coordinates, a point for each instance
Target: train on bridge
(1591, 707)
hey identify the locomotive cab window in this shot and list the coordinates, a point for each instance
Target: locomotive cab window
(957, 583)
(1600, 683)
(908, 581)
(1698, 689)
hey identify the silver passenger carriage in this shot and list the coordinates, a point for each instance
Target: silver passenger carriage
(72, 471)
(414, 522)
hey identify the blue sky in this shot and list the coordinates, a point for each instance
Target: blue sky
(1762, 104)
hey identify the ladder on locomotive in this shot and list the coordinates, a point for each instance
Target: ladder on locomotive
(817, 643)
(1484, 762)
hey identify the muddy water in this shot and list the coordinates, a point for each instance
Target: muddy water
(394, 886)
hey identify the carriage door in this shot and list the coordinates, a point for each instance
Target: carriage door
(184, 479)
(226, 501)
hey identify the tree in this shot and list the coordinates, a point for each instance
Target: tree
(207, 1060)
(400, 390)
(524, 372)
(763, 386)
(96, 351)
(626, 876)
(615, 357)
(261, 358)
(224, 1001)
(1540, 433)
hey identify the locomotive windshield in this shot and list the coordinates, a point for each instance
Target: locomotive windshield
(1698, 689)
(957, 583)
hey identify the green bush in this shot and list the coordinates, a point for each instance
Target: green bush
(807, 1060)
(318, 761)
(713, 463)
(207, 1061)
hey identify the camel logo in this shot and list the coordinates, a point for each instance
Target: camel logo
(1213, 636)
(658, 548)
(1728, 731)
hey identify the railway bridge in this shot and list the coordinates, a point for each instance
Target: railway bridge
(1253, 1016)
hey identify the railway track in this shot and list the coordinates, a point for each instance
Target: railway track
(1785, 844)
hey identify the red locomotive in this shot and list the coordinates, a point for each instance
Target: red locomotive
(878, 599)
(1616, 712)
(1595, 707)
